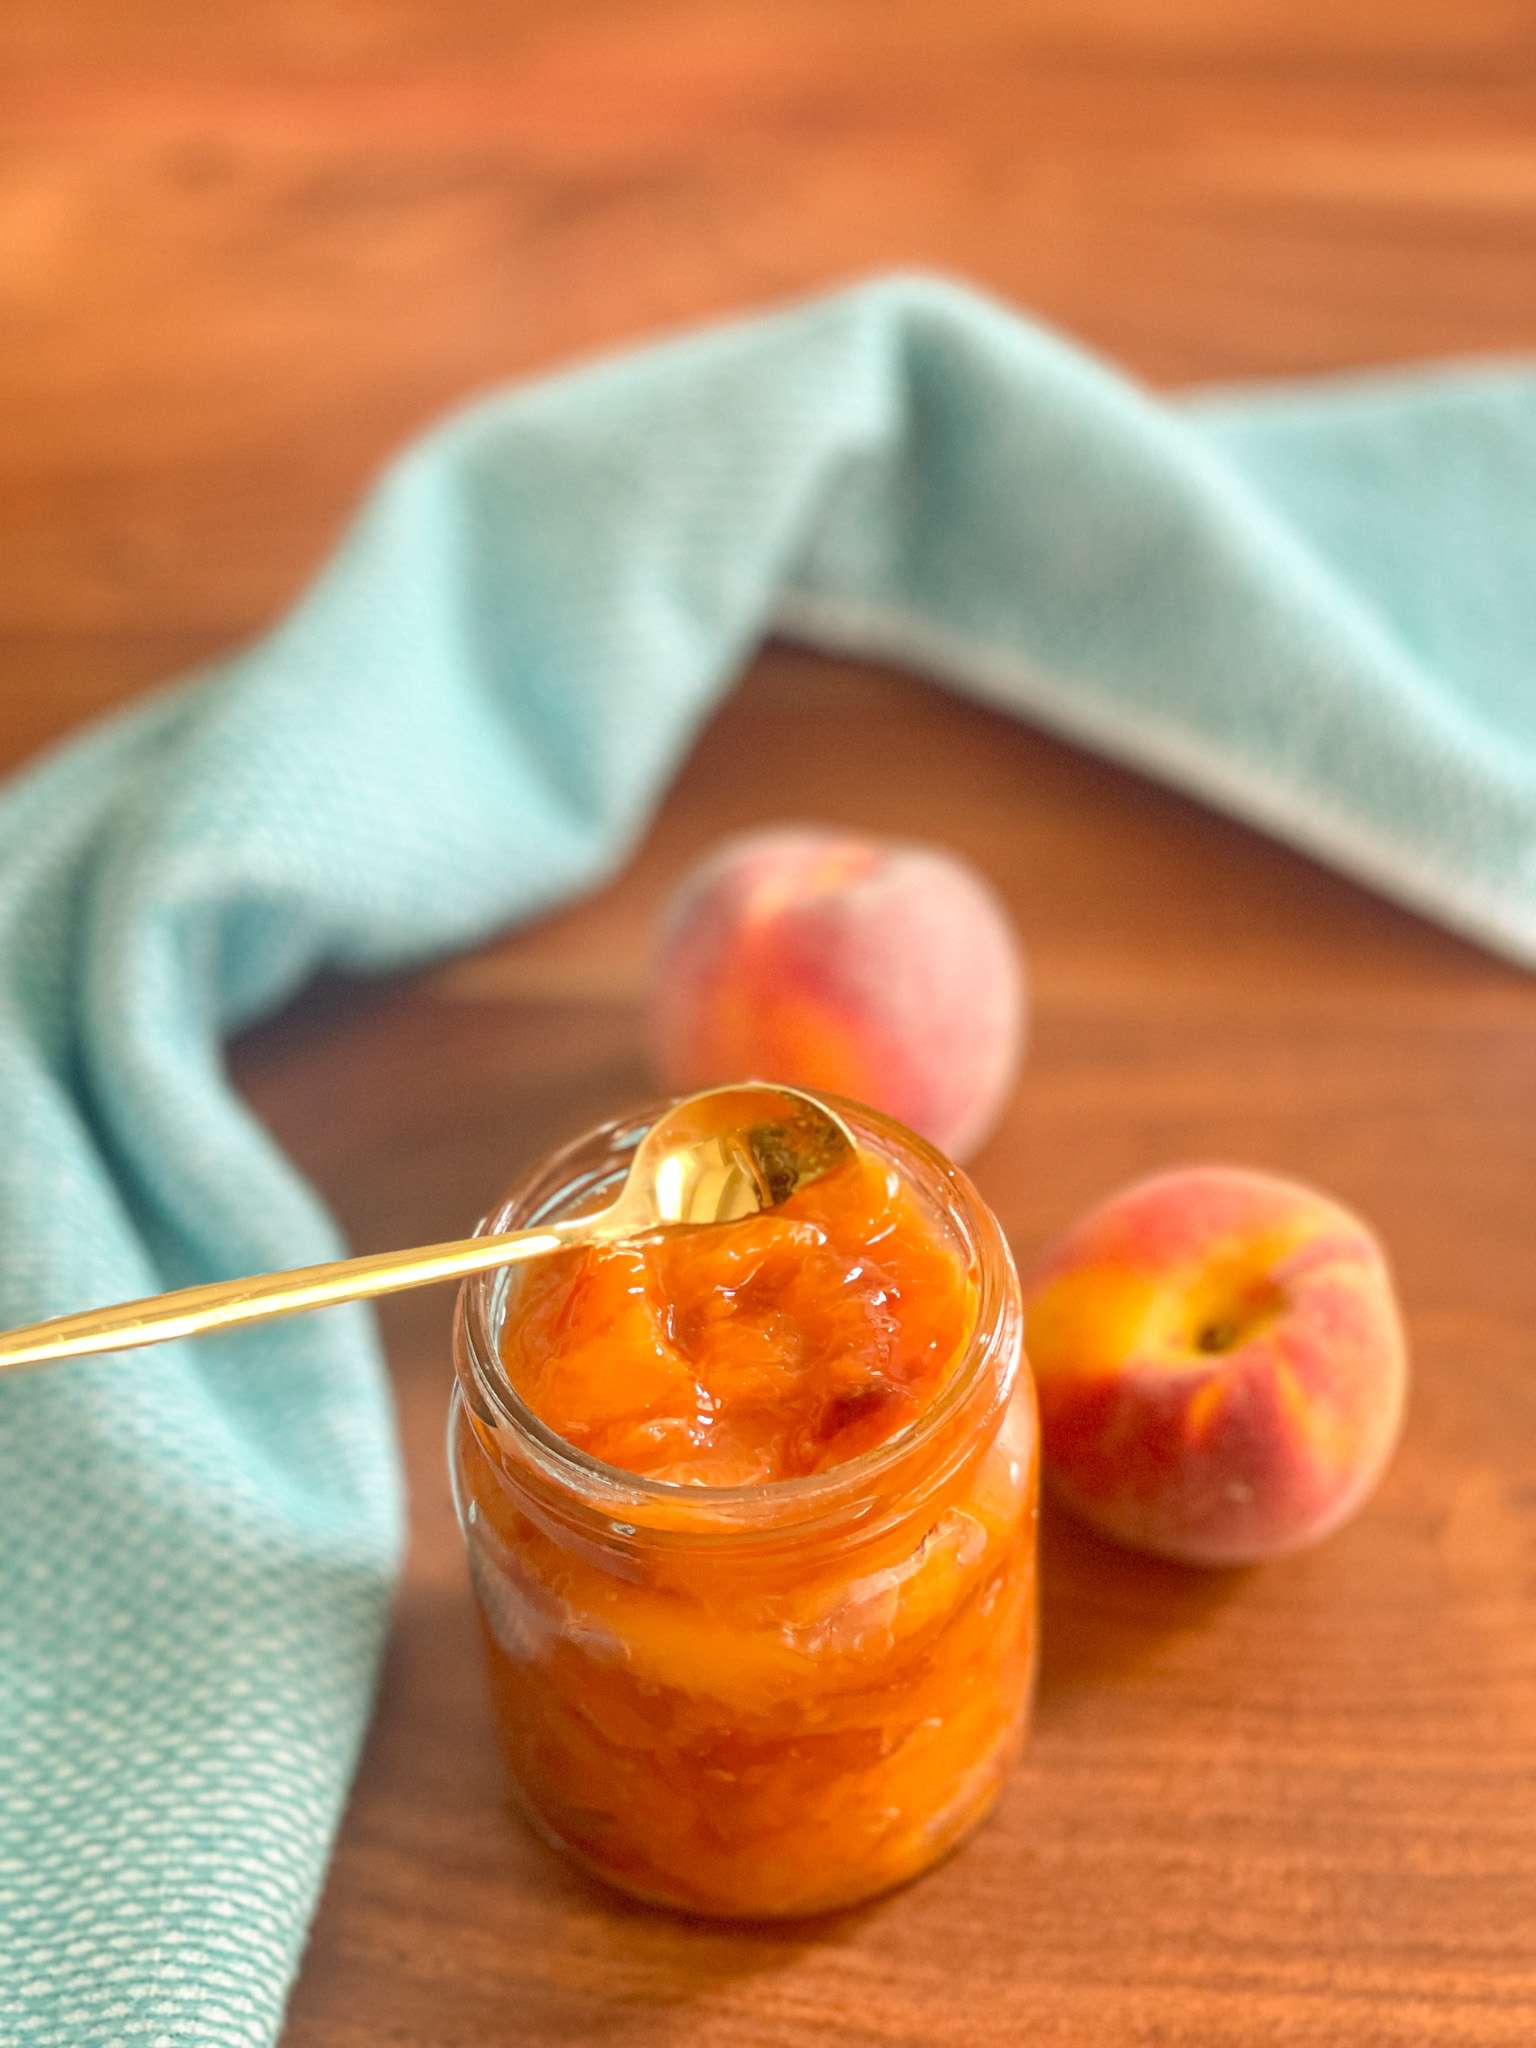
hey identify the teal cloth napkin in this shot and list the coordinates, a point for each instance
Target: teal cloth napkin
(1313, 607)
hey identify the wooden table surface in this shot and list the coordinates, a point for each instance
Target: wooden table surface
(245, 251)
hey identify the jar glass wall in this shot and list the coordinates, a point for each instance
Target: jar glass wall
(771, 1699)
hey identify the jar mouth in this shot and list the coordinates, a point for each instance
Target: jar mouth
(572, 1179)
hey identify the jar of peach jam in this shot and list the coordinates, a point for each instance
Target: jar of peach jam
(751, 1519)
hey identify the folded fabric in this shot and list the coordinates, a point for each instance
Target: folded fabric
(1316, 609)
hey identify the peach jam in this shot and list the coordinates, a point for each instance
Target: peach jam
(750, 1513)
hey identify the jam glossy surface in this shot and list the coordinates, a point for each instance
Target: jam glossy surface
(763, 1720)
(748, 1352)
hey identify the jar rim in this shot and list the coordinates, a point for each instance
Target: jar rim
(993, 1350)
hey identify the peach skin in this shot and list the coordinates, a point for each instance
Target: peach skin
(876, 970)
(1221, 1365)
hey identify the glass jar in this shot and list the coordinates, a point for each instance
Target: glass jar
(761, 1700)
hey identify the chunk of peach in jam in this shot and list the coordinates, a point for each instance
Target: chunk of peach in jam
(778, 1718)
(752, 1352)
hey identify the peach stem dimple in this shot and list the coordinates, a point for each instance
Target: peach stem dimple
(1227, 1324)
(1215, 1338)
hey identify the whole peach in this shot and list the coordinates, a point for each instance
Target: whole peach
(1221, 1365)
(879, 970)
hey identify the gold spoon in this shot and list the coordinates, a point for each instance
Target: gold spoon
(712, 1158)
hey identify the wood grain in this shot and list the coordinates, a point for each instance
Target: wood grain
(243, 252)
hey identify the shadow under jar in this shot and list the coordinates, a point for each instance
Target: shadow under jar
(764, 1700)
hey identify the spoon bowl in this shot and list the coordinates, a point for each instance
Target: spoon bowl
(731, 1152)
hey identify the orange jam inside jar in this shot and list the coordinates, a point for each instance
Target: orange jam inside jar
(750, 1513)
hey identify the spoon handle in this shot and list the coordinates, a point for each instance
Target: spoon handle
(221, 1305)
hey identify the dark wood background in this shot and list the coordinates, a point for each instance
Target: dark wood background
(244, 251)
